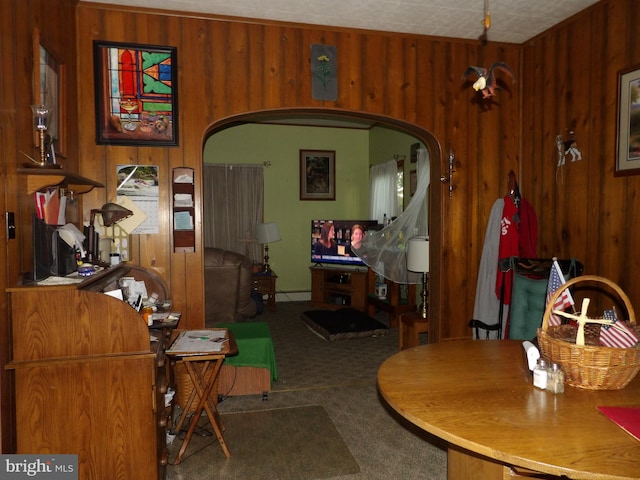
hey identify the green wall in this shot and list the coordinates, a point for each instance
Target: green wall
(280, 145)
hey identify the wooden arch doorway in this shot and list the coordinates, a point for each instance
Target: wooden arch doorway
(311, 116)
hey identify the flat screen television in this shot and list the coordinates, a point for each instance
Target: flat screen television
(332, 240)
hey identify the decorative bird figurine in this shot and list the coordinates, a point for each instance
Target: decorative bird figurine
(486, 82)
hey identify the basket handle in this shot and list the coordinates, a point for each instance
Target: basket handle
(586, 278)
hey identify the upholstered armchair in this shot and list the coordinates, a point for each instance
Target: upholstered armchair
(227, 277)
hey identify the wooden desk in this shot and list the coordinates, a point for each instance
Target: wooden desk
(478, 396)
(203, 369)
(265, 284)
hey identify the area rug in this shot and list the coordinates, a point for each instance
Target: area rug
(342, 324)
(284, 444)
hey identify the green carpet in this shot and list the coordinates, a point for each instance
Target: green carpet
(257, 440)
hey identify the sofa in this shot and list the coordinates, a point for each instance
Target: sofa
(227, 277)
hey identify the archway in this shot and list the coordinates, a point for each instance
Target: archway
(311, 117)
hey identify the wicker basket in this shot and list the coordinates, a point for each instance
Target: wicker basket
(587, 366)
(185, 388)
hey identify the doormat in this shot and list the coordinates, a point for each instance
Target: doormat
(343, 324)
(286, 443)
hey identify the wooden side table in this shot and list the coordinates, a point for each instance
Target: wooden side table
(393, 304)
(203, 369)
(265, 284)
(410, 326)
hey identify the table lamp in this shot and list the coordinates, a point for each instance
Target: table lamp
(111, 213)
(418, 261)
(267, 233)
(40, 115)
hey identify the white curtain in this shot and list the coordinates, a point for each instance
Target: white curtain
(233, 201)
(385, 251)
(384, 191)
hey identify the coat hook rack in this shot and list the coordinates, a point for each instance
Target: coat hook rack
(452, 165)
(397, 157)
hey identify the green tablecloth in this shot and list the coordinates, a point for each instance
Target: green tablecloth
(255, 346)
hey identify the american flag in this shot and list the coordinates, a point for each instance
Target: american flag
(616, 334)
(564, 300)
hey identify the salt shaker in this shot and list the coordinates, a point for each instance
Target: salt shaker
(556, 379)
(541, 374)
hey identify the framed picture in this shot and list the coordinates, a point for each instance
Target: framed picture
(49, 85)
(317, 175)
(628, 140)
(136, 94)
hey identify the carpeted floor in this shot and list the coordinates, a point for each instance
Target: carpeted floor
(341, 377)
(258, 439)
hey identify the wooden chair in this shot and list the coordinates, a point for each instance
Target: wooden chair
(528, 294)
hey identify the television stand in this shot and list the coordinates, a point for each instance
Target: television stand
(336, 287)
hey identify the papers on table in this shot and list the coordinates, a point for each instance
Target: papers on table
(199, 341)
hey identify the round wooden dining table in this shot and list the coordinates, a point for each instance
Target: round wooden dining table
(478, 396)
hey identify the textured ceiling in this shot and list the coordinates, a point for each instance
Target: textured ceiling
(512, 21)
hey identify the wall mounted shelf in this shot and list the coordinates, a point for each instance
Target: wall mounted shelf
(40, 178)
(184, 234)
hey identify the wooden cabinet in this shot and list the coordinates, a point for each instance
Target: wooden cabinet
(88, 381)
(338, 287)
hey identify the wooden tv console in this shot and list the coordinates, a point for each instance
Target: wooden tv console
(335, 287)
(88, 381)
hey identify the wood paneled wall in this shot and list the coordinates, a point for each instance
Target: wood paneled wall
(570, 82)
(566, 79)
(230, 67)
(55, 21)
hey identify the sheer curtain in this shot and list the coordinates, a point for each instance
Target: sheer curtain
(385, 251)
(233, 200)
(384, 194)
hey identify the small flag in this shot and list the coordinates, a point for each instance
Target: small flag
(564, 300)
(617, 334)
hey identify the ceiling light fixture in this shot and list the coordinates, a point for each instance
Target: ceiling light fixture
(486, 20)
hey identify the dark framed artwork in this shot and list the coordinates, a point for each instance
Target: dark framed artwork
(136, 94)
(628, 133)
(317, 175)
(324, 72)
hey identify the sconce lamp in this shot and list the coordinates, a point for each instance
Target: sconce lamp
(40, 115)
(267, 233)
(418, 261)
(111, 213)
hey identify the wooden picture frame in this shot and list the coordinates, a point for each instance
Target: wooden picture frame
(49, 88)
(136, 94)
(317, 175)
(628, 132)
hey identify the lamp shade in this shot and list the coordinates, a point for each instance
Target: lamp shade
(418, 254)
(267, 232)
